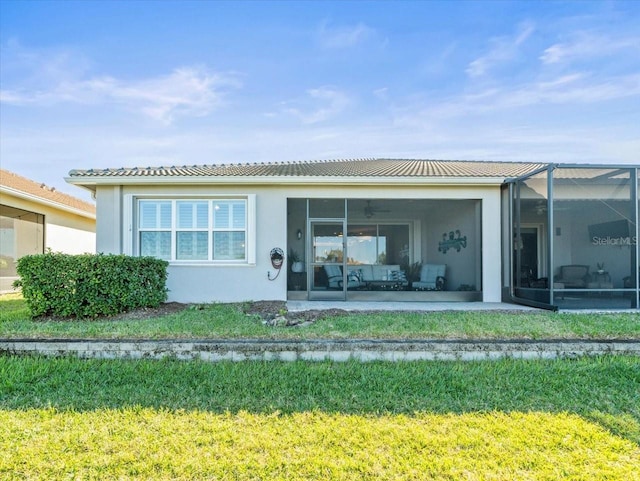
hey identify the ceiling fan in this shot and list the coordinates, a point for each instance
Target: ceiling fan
(370, 210)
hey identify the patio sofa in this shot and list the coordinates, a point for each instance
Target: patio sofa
(365, 276)
(369, 272)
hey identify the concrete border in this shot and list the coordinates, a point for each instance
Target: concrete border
(365, 350)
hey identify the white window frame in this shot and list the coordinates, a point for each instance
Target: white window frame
(131, 237)
(194, 227)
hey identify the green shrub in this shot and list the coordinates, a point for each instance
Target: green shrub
(90, 285)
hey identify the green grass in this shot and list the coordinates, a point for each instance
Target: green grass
(96, 419)
(149, 444)
(607, 384)
(228, 321)
(510, 419)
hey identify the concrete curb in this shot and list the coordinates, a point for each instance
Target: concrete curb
(364, 350)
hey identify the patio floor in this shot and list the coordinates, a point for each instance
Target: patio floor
(296, 305)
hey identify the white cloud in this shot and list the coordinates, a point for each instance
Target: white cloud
(50, 80)
(586, 45)
(578, 88)
(381, 93)
(503, 49)
(568, 91)
(320, 104)
(343, 37)
(187, 91)
(38, 67)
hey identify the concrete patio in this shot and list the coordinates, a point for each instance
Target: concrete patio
(296, 306)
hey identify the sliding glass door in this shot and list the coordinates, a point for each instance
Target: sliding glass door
(327, 273)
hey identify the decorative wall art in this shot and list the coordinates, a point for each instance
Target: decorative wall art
(453, 241)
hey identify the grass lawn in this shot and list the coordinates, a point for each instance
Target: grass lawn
(510, 419)
(99, 419)
(228, 321)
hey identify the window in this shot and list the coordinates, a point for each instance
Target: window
(192, 235)
(378, 244)
(155, 229)
(229, 225)
(193, 230)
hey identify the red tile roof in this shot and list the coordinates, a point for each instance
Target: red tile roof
(41, 191)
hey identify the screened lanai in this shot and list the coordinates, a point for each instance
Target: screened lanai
(384, 249)
(570, 237)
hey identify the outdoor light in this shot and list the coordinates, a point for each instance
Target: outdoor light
(299, 234)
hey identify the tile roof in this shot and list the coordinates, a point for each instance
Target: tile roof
(329, 168)
(26, 186)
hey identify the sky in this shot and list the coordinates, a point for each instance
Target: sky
(97, 84)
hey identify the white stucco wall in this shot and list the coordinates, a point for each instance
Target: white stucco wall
(202, 282)
(109, 218)
(69, 240)
(208, 283)
(63, 231)
(462, 266)
(491, 247)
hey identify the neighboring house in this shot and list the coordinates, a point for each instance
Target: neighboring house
(34, 218)
(379, 229)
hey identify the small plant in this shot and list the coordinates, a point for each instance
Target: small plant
(412, 271)
(294, 256)
(600, 267)
(295, 262)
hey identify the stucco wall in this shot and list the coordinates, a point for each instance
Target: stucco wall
(64, 231)
(70, 240)
(202, 282)
(461, 265)
(207, 283)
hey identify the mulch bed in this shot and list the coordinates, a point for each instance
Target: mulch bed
(265, 310)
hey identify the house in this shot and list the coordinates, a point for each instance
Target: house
(547, 235)
(34, 218)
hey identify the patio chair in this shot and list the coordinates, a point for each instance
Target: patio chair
(432, 278)
(335, 278)
(573, 276)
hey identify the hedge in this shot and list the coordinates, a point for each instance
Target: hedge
(90, 285)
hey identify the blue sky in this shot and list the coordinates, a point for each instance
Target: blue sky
(95, 84)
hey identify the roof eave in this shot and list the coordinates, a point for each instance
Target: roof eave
(91, 182)
(47, 202)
